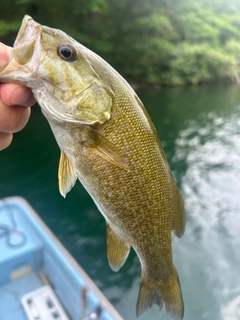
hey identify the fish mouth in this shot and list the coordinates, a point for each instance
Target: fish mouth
(20, 68)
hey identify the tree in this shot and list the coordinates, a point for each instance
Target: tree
(155, 41)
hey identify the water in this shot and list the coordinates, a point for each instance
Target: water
(200, 131)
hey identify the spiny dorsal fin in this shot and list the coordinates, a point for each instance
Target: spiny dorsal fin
(66, 175)
(105, 149)
(117, 249)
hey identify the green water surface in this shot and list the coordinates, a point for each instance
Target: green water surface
(200, 131)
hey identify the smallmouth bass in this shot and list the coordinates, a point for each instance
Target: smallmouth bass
(108, 142)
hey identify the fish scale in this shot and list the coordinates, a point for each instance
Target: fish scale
(108, 142)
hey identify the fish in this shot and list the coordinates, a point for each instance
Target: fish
(107, 141)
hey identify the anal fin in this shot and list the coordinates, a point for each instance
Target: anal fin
(117, 249)
(66, 175)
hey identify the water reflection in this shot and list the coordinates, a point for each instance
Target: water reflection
(208, 258)
(210, 146)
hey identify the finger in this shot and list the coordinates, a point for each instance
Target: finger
(5, 140)
(16, 94)
(13, 118)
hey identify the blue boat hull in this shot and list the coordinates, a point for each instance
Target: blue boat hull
(32, 257)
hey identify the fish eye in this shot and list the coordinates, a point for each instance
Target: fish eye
(67, 52)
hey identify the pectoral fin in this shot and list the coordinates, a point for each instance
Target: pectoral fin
(105, 149)
(66, 175)
(117, 249)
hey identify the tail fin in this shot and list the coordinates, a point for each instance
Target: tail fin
(169, 294)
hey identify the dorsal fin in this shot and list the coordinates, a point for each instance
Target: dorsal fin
(179, 218)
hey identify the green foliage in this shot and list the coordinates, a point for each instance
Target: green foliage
(232, 47)
(6, 27)
(168, 42)
(196, 63)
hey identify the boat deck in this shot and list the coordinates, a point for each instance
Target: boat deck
(11, 293)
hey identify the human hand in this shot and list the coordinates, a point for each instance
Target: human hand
(15, 100)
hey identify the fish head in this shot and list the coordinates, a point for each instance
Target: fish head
(61, 73)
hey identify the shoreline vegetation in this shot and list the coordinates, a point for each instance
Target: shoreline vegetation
(151, 43)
